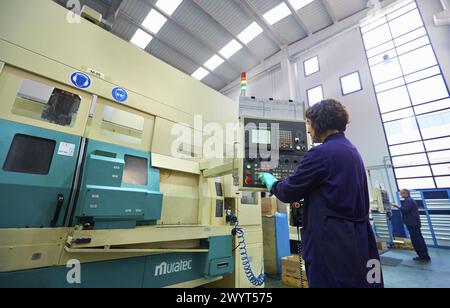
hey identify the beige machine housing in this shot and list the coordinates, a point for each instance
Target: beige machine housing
(160, 95)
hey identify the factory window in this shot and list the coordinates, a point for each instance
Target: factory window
(351, 83)
(315, 95)
(412, 96)
(311, 66)
(136, 170)
(122, 126)
(39, 101)
(29, 154)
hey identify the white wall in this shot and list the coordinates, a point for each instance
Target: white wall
(270, 84)
(339, 55)
(440, 36)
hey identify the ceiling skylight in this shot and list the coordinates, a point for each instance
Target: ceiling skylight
(154, 21)
(141, 39)
(200, 74)
(250, 33)
(230, 49)
(299, 4)
(168, 6)
(277, 13)
(214, 62)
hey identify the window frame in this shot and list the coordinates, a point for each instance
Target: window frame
(361, 88)
(407, 40)
(307, 94)
(318, 65)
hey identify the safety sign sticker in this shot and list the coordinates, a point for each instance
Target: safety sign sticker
(66, 149)
(80, 80)
(120, 95)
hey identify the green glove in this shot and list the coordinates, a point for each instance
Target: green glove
(268, 179)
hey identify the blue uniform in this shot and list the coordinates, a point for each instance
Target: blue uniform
(410, 212)
(337, 238)
(411, 218)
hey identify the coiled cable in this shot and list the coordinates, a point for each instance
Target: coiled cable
(242, 246)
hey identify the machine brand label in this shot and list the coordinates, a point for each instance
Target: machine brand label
(80, 80)
(96, 73)
(171, 268)
(120, 95)
(66, 149)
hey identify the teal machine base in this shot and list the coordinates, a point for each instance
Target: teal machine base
(143, 272)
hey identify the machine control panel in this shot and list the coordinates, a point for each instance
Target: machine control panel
(271, 146)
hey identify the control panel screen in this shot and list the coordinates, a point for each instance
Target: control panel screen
(280, 148)
(261, 136)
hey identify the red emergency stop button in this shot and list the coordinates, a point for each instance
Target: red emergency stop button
(248, 181)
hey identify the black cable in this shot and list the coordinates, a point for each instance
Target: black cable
(300, 256)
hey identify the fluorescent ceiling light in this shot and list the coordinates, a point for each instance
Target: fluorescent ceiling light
(299, 4)
(230, 49)
(154, 21)
(168, 6)
(250, 33)
(277, 13)
(214, 62)
(200, 73)
(141, 39)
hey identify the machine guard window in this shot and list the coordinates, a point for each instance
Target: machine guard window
(39, 101)
(29, 154)
(136, 170)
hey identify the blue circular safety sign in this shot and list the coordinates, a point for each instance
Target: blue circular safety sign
(80, 80)
(120, 95)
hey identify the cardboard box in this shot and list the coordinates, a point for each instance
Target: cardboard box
(291, 267)
(382, 245)
(276, 243)
(403, 243)
(269, 206)
(293, 282)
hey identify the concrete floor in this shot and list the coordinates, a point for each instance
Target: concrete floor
(408, 274)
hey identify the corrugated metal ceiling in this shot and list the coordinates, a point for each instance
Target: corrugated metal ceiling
(199, 29)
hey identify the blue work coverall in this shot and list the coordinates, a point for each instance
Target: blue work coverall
(337, 238)
(411, 218)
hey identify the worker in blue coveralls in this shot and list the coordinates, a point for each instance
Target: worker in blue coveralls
(411, 218)
(339, 246)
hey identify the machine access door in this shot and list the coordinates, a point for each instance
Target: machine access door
(36, 175)
(41, 124)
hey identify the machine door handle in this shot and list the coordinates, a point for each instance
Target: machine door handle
(59, 204)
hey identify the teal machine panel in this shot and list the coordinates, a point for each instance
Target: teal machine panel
(119, 188)
(37, 168)
(144, 272)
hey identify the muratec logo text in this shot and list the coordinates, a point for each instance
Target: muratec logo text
(171, 268)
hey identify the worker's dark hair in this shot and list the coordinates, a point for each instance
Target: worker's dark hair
(327, 115)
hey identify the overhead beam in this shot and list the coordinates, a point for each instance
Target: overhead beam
(223, 26)
(330, 11)
(202, 42)
(168, 44)
(247, 8)
(297, 18)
